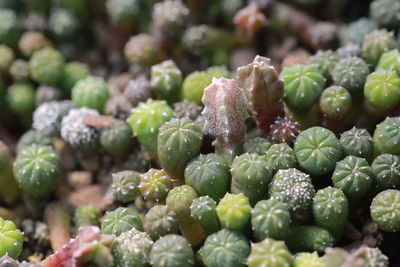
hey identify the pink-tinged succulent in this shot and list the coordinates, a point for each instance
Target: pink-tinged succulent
(264, 91)
(90, 245)
(250, 20)
(225, 111)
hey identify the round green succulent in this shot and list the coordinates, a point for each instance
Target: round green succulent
(32, 137)
(20, 98)
(160, 221)
(335, 102)
(142, 49)
(280, 157)
(303, 86)
(90, 92)
(46, 65)
(208, 175)
(355, 32)
(204, 211)
(132, 248)
(166, 80)
(308, 259)
(386, 168)
(63, 24)
(294, 188)
(251, 174)
(387, 136)
(270, 218)
(86, 215)
(385, 13)
(269, 252)
(10, 30)
(309, 238)
(317, 150)
(324, 61)
(357, 142)
(350, 73)
(390, 61)
(7, 55)
(123, 12)
(117, 139)
(225, 248)
(354, 176)
(11, 239)
(125, 185)
(171, 251)
(155, 185)
(385, 210)
(330, 210)
(234, 211)
(376, 43)
(121, 220)
(37, 168)
(72, 72)
(382, 89)
(257, 145)
(146, 120)
(179, 140)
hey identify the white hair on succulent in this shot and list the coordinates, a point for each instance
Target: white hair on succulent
(47, 117)
(79, 135)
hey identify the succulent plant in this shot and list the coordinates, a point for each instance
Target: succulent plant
(250, 20)
(90, 92)
(155, 185)
(350, 73)
(256, 145)
(325, 61)
(179, 200)
(46, 66)
(201, 39)
(385, 209)
(32, 137)
(294, 188)
(10, 30)
(386, 136)
(354, 176)
(132, 248)
(335, 102)
(376, 43)
(8, 186)
(187, 109)
(47, 117)
(8, 57)
(225, 113)
(308, 259)
(80, 136)
(234, 211)
(284, 130)
(142, 49)
(179, 140)
(11, 239)
(357, 142)
(138, 90)
(121, 220)
(206, 170)
(32, 41)
(204, 211)
(303, 86)
(270, 218)
(47, 93)
(63, 24)
(317, 150)
(125, 185)
(372, 256)
(390, 61)
(269, 252)
(251, 174)
(19, 70)
(160, 221)
(355, 32)
(117, 139)
(226, 247)
(330, 210)
(166, 80)
(280, 157)
(382, 89)
(386, 169)
(309, 238)
(385, 13)
(86, 216)
(37, 169)
(263, 90)
(171, 250)
(146, 120)
(72, 72)
(20, 98)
